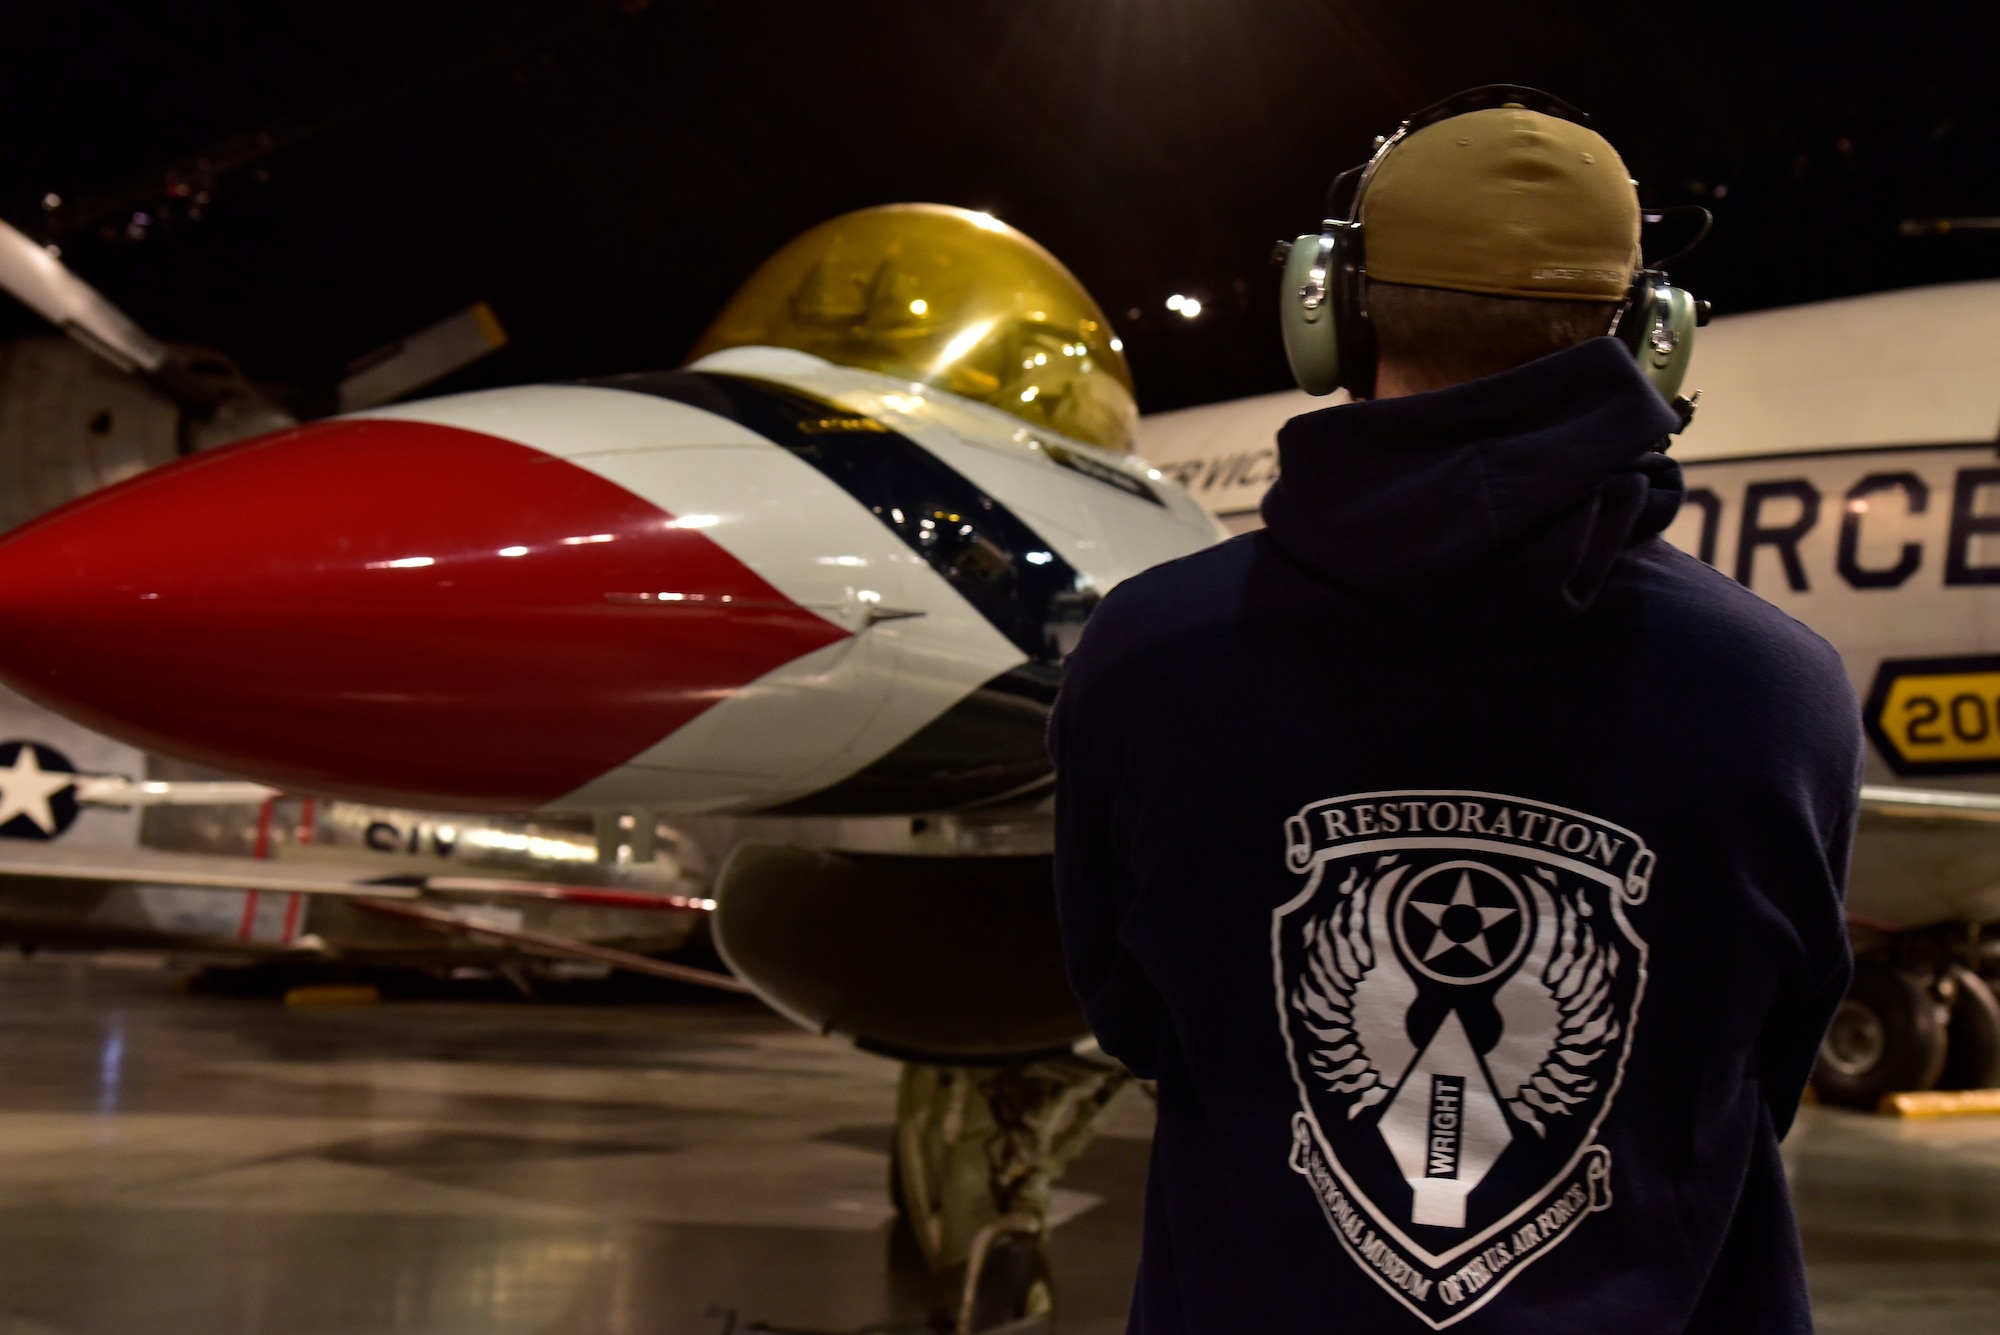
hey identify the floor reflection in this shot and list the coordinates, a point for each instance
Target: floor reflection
(175, 1163)
(1901, 1221)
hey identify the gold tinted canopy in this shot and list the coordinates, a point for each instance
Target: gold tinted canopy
(951, 298)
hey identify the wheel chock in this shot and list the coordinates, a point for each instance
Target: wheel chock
(1941, 1103)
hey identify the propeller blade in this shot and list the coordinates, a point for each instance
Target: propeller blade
(48, 287)
(418, 359)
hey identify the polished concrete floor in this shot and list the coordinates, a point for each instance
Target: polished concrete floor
(174, 1163)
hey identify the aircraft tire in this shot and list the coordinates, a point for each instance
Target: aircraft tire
(1888, 1036)
(1015, 1283)
(896, 1201)
(1972, 1039)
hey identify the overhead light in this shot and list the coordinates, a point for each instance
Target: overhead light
(1028, 394)
(1118, 345)
(919, 306)
(1176, 301)
(1189, 307)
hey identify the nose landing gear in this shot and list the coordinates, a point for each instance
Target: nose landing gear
(977, 1152)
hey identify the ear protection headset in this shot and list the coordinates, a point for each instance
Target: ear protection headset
(1323, 304)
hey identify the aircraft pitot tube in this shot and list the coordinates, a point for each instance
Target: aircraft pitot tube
(764, 582)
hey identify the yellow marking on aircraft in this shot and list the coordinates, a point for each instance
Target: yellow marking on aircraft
(1942, 717)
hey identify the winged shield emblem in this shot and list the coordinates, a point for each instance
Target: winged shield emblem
(1457, 983)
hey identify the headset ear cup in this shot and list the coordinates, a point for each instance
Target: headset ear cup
(1306, 313)
(1668, 345)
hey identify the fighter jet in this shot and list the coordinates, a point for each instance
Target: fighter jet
(813, 590)
(102, 845)
(1843, 466)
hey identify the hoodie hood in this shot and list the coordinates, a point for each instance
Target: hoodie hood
(1506, 499)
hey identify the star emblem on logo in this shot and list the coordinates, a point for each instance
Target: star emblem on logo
(1458, 930)
(37, 791)
(1463, 922)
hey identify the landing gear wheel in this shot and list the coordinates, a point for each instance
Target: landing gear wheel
(1972, 1042)
(896, 1198)
(1014, 1283)
(911, 1284)
(1887, 1036)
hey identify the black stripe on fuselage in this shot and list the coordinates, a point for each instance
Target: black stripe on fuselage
(987, 748)
(985, 552)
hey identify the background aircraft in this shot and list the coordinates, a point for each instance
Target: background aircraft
(1844, 464)
(98, 849)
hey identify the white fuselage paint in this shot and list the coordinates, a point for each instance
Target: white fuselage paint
(1843, 465)
(818, 719)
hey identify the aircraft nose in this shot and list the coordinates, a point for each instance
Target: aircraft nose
(390, 610)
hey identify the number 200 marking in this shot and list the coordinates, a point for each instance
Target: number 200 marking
(1971, 718)
(1937, 715)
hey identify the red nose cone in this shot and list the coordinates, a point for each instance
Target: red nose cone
(391, 610)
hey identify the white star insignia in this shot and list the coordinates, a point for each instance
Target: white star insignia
(25, 790)
(1461, 897)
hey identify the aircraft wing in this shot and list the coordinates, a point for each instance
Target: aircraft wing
(195, 870)
(1893, 801)
(393, 896)
(113, 790)
(543, 943)
(203, 871)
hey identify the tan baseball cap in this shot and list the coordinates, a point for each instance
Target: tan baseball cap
(1507, 202)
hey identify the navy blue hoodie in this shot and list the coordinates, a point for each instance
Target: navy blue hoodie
(1465, 863)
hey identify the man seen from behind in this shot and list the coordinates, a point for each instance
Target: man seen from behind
(1463, 861)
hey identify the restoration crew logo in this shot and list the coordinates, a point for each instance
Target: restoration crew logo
(1457, 984)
